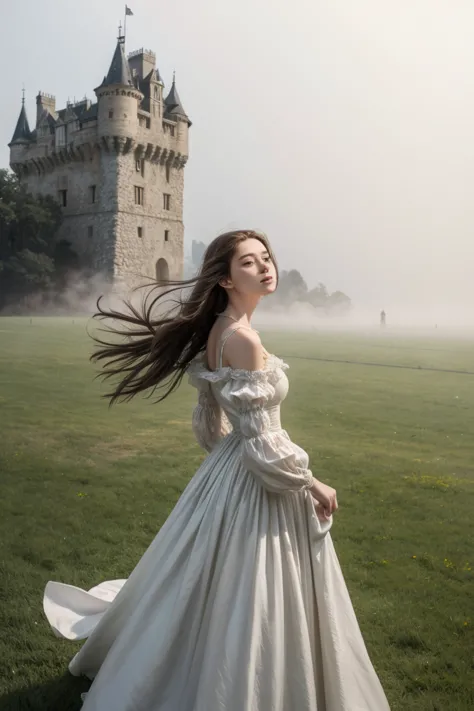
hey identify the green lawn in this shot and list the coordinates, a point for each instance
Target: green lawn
(84, 489)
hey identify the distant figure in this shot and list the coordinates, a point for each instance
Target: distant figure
(382, 319)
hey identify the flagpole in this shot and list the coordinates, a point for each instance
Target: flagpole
(125, 24)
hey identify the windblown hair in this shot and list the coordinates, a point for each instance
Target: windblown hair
(154, 350)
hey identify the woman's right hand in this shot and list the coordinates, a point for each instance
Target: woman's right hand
(326, 497)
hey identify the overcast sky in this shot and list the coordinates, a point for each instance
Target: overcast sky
(342, 128)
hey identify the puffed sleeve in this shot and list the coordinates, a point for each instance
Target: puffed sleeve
(209, 422)
(280, 465)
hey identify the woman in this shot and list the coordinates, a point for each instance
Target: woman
(239, 603)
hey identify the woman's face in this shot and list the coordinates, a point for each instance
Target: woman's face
(251, 269)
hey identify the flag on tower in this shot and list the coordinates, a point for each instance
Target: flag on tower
(128, 11)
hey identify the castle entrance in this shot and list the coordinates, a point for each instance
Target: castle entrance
(162, 270)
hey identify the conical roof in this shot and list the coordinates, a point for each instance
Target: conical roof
(119, 72)
(22, 133)
(173, 104)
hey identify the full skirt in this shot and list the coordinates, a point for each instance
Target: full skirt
(239, 604)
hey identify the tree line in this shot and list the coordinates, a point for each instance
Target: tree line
(292, 289)
(32, 261)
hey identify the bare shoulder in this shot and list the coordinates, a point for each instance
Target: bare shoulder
(243, 350)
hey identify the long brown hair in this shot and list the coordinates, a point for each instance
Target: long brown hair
(155, 350)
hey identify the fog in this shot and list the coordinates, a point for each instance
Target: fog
(80, 299)
(342, 129)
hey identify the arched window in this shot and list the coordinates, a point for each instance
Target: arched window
(162, 271)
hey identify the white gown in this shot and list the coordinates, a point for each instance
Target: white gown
(239, 603)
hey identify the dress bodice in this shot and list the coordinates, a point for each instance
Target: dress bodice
(246, 404)
(230, 400)
(234, 392)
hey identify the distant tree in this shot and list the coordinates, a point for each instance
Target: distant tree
(31, 259)
(291, 287)
(29, 271)
(318, 296)
(338, 302)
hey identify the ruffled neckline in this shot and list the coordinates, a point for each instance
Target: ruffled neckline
(269, 373)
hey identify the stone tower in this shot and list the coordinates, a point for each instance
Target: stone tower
(117, 168)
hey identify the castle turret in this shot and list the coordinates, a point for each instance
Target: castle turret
(118, 98)
(173, 104)
(45, 105)
(156, 95)
(142, 62)
(174, 111)
(147, 78)
(21, 138)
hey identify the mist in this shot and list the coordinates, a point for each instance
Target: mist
(81, 294)
(343, 130)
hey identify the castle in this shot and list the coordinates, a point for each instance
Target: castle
(117, 168)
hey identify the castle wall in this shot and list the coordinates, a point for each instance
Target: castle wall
(88, 226)
(137, 256)
(105, 233)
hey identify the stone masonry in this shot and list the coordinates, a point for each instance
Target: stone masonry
(117, 168)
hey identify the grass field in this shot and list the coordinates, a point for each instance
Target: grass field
(386, 422)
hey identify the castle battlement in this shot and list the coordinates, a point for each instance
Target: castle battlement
(44, 95)
(138, 52)
(116, 166)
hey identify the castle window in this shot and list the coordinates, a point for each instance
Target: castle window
(92, 193)
(140, 231)
(60, 136)
(166, 201)
(148, 123)
(139, 195)
(140, 166)
(167, 235)
(168, 171)
(90, 231)
(172, 130)
(63, 197)
(111, 114)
